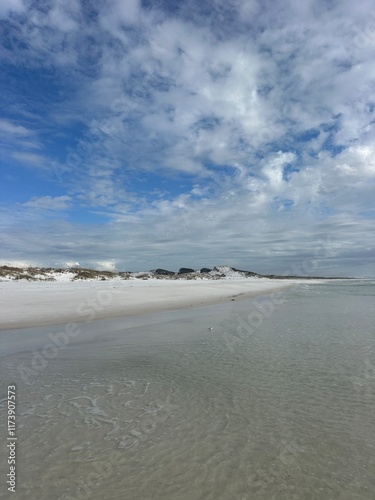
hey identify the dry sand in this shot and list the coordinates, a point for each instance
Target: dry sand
(28, 304)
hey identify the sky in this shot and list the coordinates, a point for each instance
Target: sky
(138, 134)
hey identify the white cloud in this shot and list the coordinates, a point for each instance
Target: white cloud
(29, 159)
(214, 102)
(104, 265)
(274, 170)
(9, 128)
(49, 203)
(121, 13)
(8, 6)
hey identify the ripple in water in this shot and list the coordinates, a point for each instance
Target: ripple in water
(286, 413)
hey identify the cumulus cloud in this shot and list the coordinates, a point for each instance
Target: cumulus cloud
(239, 132)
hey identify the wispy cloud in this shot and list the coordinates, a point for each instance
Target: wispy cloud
(49, 203)
(27, 158)
(9, 128)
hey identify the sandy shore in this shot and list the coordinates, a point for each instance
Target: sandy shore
(28, 304)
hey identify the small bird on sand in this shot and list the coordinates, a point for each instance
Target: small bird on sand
(210, 328)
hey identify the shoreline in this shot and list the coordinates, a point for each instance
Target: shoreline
(24, 305)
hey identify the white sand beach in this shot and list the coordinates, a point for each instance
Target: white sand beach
(26, 304)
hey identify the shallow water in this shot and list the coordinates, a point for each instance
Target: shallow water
(276, 401)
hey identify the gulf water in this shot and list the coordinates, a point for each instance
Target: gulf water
(271, 398)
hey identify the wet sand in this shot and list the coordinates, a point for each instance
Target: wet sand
(221, 402)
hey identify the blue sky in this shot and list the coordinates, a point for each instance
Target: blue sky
(137, 135)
